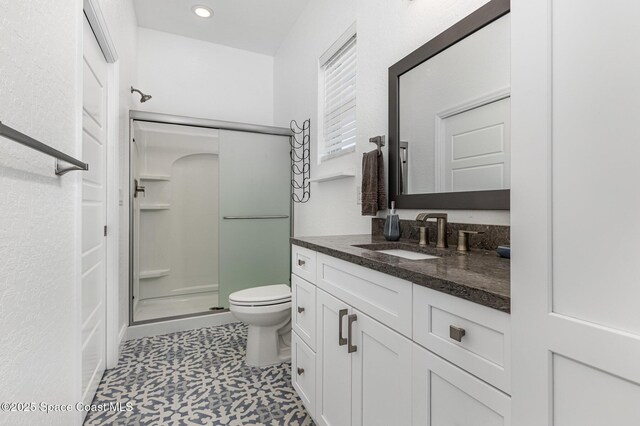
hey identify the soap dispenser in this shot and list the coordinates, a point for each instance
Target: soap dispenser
(392, 225)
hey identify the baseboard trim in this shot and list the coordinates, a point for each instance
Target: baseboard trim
(122, 335)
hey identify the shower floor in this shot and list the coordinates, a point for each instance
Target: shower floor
(172, 306)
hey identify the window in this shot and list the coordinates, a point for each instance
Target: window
(338, 97)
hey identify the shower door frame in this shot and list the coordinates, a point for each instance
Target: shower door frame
(154, 117)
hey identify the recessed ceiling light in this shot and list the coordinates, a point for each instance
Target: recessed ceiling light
(202, 11)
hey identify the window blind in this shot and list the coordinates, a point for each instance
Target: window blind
(340, 101)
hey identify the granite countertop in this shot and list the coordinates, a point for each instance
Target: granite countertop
(479, 276)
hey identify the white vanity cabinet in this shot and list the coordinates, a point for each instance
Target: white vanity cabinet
(363, 368)
(380, 354)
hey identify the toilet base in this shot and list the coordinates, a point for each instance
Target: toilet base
(268, 345)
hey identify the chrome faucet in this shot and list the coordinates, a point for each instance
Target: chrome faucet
(441, 237)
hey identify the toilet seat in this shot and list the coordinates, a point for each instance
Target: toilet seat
(262, 296)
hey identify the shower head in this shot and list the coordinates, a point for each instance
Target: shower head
(143, 98)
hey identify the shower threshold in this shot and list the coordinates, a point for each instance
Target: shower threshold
(173, 306)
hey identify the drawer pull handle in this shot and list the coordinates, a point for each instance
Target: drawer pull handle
(341, 314)
(300, 309)
(456, 333)
(301, 262)
(300, 371)
(351, 348)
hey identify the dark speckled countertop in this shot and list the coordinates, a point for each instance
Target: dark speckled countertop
(480, 276)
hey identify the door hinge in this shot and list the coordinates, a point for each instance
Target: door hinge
(105, 230)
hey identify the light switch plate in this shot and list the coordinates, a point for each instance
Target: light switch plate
(358, 195)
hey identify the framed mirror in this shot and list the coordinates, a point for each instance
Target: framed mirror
(449, 117)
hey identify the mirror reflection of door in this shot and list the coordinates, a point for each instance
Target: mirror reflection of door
(475, 149)
(454, 116)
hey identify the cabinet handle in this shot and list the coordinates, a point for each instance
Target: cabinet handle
(300, 371)
(301, 262)
(300, 309)
(456, 333)
(341, 314)
(351, 347)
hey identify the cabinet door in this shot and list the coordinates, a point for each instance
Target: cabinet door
(445, 395)
(381, 373)
(575, 322)
(333, 363)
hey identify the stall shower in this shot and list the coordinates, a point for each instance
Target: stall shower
(210, 215)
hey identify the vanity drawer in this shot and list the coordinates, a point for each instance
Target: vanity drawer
(303, 263)
(303, 310)
(303, 372)
(381, 296)
(471, 336)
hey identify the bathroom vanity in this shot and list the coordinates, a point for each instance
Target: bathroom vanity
(379, 340)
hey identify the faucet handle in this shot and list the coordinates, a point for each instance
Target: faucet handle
(463, 239)
(436, 216)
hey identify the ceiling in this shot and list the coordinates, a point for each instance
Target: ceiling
(255, 25)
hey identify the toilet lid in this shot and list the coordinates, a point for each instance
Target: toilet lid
(264, 295)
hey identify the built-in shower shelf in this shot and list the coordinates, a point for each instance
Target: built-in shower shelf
(156, 273)
(155, 177)
(155, 207)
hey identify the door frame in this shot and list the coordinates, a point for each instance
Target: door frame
(93, 14)
(157, 117)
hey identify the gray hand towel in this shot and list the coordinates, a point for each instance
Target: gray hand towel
(374, 195)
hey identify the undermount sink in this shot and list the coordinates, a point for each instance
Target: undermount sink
(406, 254)
(403, 250)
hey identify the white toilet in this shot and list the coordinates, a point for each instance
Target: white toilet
(267, 312)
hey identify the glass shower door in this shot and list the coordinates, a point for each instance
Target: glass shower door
(255, 222)
(175, 220)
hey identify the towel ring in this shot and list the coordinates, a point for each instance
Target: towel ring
(379, 141)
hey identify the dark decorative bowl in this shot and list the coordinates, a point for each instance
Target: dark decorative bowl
(504, 251)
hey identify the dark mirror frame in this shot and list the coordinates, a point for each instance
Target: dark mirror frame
(473, 200)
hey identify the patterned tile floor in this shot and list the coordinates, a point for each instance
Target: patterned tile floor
(196, 377)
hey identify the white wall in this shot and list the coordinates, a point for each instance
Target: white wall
(200, 79)
(39, 252)
(387, 31)
(40, 82)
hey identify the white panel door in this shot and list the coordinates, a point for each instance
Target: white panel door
(476, 146)
(333, 362)
(94, 137)
(575, 288)
(381, 373)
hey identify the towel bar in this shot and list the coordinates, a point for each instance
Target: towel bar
(28, 141)
(257, 217)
